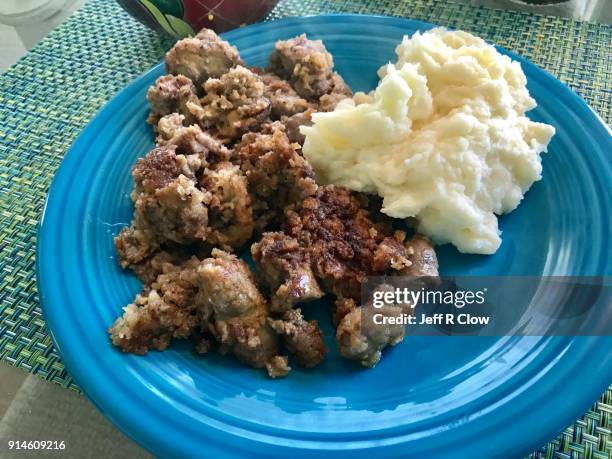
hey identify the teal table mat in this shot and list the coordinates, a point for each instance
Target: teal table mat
(49, 96)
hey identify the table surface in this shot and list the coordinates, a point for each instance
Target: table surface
(16, 40)
(31, 408)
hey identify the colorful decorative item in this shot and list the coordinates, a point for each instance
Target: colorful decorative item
(181, 18)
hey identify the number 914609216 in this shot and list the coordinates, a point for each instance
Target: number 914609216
(36, 444)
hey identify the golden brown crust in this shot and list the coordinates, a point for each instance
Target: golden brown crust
(230, 216)
(284, 101)
(303, 339)
(170, 94)
(344, 244)
(286, 269)
(237, 311)
(163, 311)
(305, 63)
(202, 57)
(160, 167)
(176, 212)
(215, 297)
(339, 91)
(278, 176)
(199, 147)
(134, 245)
(233, 105)
(309, 68)
(360, 339)
(169, 208)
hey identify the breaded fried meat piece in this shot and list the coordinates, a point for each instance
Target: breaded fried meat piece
(278, 176)
(163, 311)
(202, 57)
(168, 206)
(305, 63)
(230, 215)
(360, 339)
(309, 68)
(302, 338)
(344, 244)
(200, 148)
(284, 101)
(236, 311)
(167, 201)
(358, 336)
(339, 91)
(233, 104)
(170, 94)
(215, 297)
(286, 269)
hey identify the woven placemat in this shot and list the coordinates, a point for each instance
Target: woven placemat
(49, 96)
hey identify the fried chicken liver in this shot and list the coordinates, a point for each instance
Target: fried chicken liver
(278, 176)
(217, 297)
(233, 104)
(286, 268)
(344, 244)
(202, 57)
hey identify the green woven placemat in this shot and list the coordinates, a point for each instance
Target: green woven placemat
(49, 96)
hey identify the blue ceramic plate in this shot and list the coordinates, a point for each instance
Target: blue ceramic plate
(429, 397)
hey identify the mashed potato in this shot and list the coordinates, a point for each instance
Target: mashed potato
(443, 138)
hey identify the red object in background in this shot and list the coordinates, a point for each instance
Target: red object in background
(221, 15)
(180, 18)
